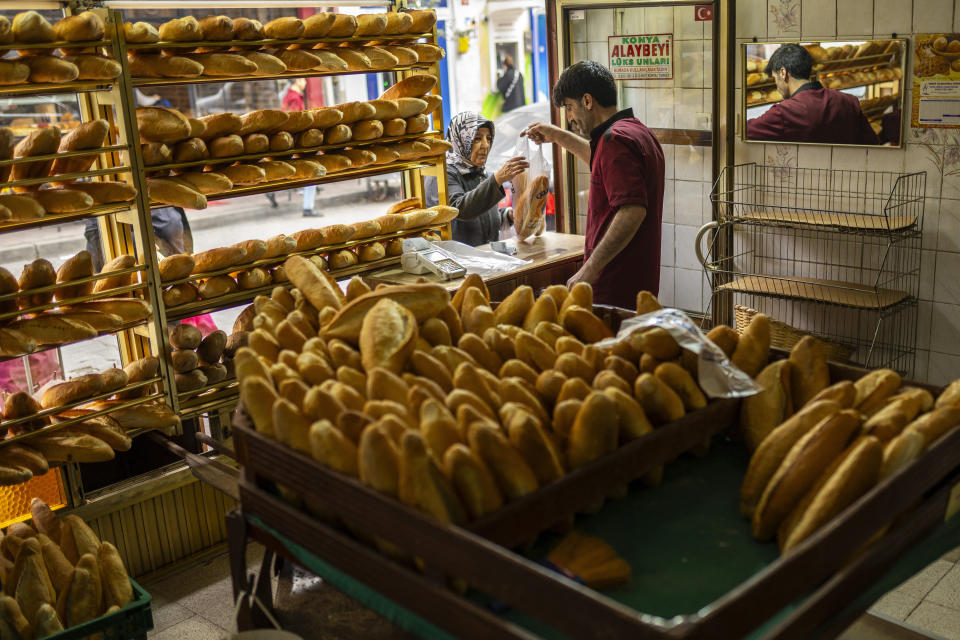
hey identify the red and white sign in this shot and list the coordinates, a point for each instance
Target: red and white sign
(641, 57)
(703, 12)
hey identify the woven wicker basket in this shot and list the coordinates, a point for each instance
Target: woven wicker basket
(784, 336)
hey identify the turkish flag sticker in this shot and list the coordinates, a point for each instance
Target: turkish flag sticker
(703, 12)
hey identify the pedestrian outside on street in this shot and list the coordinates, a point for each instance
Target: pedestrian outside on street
(510, 85)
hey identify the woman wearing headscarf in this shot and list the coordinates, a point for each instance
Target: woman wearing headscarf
(470, 188)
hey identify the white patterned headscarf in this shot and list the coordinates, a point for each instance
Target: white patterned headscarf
(461, 132)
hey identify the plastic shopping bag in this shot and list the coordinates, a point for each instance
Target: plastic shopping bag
(492, 107)
(530, 190)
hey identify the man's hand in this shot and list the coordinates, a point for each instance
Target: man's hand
(510, 169)
(585, 274)
(541, 132)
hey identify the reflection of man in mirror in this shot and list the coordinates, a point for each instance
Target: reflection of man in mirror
(809, 112)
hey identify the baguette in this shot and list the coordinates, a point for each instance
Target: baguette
(89, 135)
(185, 29)
(394, 127)
(410, 87)
(13, 72)
(206, 182)
(405, 56)
(72, 448)
(50, 69)
(75, 268)
(17, 455)
(140, 33)
(367, 130)
(409, 107)
(30, 26)
(8, 284)
(7, 144)
(38, 142)
(225, 64)
(343, 26)
(21, 405)
(874, 388)
(221, 124)
(809, 373)
(934, 424)
(423, 20)
(106, 192)
(150, 65)
(168, 191)
(760, 414)
(266, 64)
(801, 467)
(286, 28)
(753, 348)
(176, 267)
(232, 145)
(51, 330)
(281, 141)
(117, 590)
(63, 200)
(16, 343)
(189, 150)
(180, 294)
(241, 174)
(217, 286)
(427, 52)
(310, 138)
(315, 286)
(130, 309)
(155, 153)
(72, 390)
(159, 124)
(35, 275)
(101, 322)
(95, 67)
(216, 27)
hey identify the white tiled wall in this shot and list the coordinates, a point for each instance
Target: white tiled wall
(938, 324)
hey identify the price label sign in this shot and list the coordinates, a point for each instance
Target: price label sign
(641, 57)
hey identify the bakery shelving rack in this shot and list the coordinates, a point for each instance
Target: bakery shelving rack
(835, 253)
(216, 400)
(96, 99)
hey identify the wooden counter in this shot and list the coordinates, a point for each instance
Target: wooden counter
(556, 257)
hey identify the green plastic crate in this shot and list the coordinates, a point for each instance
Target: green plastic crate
(130, 623)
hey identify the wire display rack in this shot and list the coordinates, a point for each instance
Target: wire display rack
(840, 200)
(832, 253)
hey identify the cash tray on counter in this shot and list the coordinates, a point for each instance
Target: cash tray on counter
(697, 571)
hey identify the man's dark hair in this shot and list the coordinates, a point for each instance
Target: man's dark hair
(792, 57)
(586, 77)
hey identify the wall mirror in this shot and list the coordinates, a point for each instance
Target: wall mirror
(871, 71)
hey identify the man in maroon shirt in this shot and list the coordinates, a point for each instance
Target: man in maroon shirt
(809, 112)
(625, 205)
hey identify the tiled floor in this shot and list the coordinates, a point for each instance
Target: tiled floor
(194, 601)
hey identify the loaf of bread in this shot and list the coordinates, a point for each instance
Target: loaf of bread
(94, 67)
(180, 294)
(760, 414)
(433, 101)
(140, 32)
(217, 286)
(343, 26)
(355, 59)
(328, 61)
(130, 309)
(433, 146)
(151, 65)
(384, 154)
(427, 52)
(100, 321)
(227, 146)
(411, 87)
(75, 268)
(119, 263)
(241, 174)
(22, 207)
(360, 157)
(418, 124)
(286, 28)
(409, 107)
(38, 142)
(307, 169)
(342, 259)
(262, 120)
(355, 111)
(247, 29)
(189, 150)
(296, 59)
(225, 64)
(279, 245)
(30, 26)
(338, 134)
(185, 29)
(172, 192)
(394, 127)
(216, 27)
(13, 72)
(333, 162)
(206, 182)
(50, 69)
(216, 259)
(89, 135)
(423, 20)
(281, 141)
(159, 124)
(309, 138)
(63, 200)
(371, 252)
(253, 278)
(267, 65)
(155, 153)
(221, 124)
(276, 170)
(367, 130)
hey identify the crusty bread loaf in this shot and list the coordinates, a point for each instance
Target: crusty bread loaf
(21, 207)
(225, 64)
(267, 65)
(221, 124)
(254, 143)
(247, 29)
(35, 275)
(227, 146)
(409, 107)
(155, 153)
(761, 413)
(411, 87)
(217, 286)
(342, 259)
(152, 65)
(371, 252)
(159, 124)
(216, 259)
(418, 123)
(326, 117)
(140, 32)
(175, 193)
(206, 182)
(297, 60)
(279, 245)
(100, 321)
(72, 390)
(130, 309)
(106, 192)
(384, 154)
(286, 28)
(240, 174)
(180, 294)
(338, 134)
(423, 20)
(13, 72)
(262, 120)
(63, 200)
(281, 141)
(185, 29)
(379, 58)
(433, 101)
(433, 148)
(276, 170)
(309, 138)
(334, 162)
(328, 61)
(343, 26)
(94, 67)
(367, 130)
(30, 26)
(119, 263)
(307, 169)
(216, 27)
(427, 52)
(75, 268)
(189, 150)
(371, 24)
(318, 25)
(6, 33)
(355, 111)
(359, 157)
(38, 142)
(394, 127)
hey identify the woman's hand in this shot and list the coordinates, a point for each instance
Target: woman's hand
(511, 168)
(541, 132)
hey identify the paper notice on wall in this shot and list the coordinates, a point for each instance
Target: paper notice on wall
(936, 80)
(641, 57)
